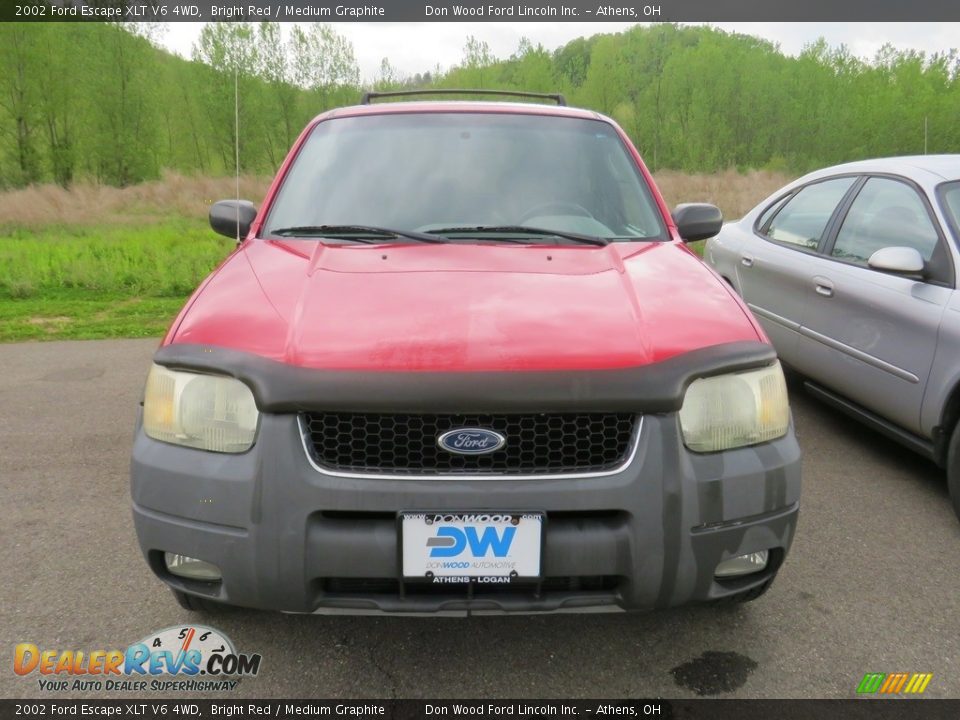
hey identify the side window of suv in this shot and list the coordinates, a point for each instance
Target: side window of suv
(886, 213)
(803, 218)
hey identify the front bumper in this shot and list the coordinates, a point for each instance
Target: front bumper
(288, 537)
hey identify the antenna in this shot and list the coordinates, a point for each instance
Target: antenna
(924, 134)
(236, 138)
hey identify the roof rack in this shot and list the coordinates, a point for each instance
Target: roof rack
(556, 97)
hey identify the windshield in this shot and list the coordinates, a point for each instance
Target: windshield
(477, 173)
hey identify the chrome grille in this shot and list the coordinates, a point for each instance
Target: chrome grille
(406, 444)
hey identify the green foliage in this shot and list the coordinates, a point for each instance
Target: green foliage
(691, 98)
(101, 101)
(700, 99)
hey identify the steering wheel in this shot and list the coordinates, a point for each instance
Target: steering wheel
(562, 205)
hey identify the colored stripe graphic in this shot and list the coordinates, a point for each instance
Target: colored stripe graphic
(871, 682)
(894, 683)
(918, 683)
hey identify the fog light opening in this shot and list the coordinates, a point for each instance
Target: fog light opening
(743, 564)
(191, 568)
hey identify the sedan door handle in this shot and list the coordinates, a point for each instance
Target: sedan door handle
(823, 286)
(746, 260)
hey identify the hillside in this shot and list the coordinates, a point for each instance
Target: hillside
(104, 103)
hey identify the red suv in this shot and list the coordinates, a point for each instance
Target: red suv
(462, 360)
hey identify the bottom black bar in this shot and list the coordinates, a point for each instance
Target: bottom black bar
(894, 709)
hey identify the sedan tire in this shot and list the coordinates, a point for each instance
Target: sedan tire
(953, 469)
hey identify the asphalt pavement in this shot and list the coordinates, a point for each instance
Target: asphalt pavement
(872, 583)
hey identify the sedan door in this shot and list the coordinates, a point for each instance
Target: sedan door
(777, 259)
(870, 335)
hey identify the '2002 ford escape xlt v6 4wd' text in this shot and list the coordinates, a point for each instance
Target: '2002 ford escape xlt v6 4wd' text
(462, 361)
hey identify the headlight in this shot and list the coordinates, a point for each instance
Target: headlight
(210, 412)
(729, 411)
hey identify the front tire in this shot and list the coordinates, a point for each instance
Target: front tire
(953, 469)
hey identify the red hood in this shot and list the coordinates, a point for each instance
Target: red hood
(464, 307)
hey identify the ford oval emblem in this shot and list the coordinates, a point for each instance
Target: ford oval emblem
(471, 441)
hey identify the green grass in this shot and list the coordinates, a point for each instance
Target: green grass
(96, 282)
(80, 315)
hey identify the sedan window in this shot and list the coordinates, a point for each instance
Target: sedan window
(886, 213)
(771, 211)
(950, 201)
(803, 219)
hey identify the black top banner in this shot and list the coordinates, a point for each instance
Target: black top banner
(479, 10)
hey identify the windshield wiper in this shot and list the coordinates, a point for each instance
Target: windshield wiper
(361, 233)
(522, 230)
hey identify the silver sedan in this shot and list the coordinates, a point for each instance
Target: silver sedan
(852, 271)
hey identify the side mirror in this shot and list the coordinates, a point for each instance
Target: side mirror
(697, 221)
(232, 217)
(899, 260)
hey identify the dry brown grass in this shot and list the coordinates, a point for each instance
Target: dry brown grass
(190, 196)
(734, 193)
(92, 204)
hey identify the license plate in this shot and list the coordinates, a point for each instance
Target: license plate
(466, 546)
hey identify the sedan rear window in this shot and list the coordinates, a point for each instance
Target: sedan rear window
(424, 171)
(804, 217)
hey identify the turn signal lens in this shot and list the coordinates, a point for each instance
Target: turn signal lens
(735, 410)
(210, 412)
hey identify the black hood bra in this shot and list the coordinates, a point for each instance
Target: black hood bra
(281, 388)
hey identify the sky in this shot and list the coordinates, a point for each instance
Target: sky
(420, 47)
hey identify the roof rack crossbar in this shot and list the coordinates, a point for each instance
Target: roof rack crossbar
(369, 96)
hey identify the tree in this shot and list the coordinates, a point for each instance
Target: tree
(230, 51)
(477, 62)
(387, 78)
(19, 57)
(60, 106)
(532, 68)
(123, 118)
(323, 62)
(275, 70)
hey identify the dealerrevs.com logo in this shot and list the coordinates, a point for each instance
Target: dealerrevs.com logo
(178, 658)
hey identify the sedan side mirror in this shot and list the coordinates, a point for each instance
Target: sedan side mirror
(232, 217)
(899, 260)
(697, 221)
